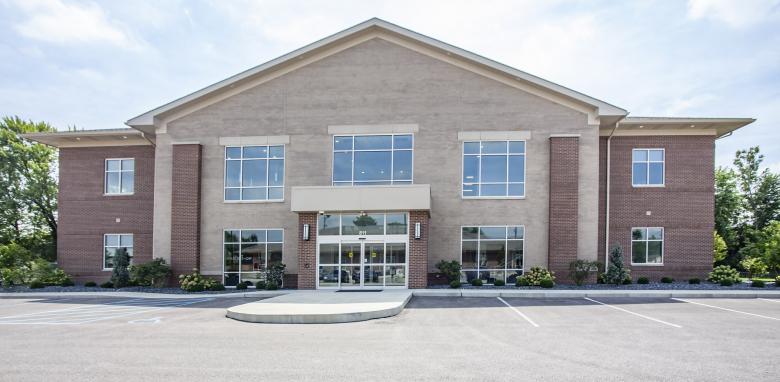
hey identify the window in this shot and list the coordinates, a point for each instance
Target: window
(363, 224)
(119, 176)
(647, 245)
(647, 167)
(493, 169)
(247, 253)
(492, 253)
(362, 160)
(254, 173)
(113, 243)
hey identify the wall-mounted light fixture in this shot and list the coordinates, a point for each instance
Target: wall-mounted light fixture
(305, 232)
(417, 230)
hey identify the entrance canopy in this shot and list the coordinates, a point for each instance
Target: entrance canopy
(363, 198)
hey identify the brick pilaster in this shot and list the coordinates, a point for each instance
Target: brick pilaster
(564, 203)
(307, 251)
(185, 208)
(418, 250)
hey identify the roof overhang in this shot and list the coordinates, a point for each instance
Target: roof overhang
(364, 198)
(374, 28)
(639, 126)
(90, 138)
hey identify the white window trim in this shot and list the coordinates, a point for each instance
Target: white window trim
(239, 242)
(506, 227)
(647, 247)
(525, 170)
(343, 183)
(120, 241)
(105, 177)
(648, 161)
(241, 174)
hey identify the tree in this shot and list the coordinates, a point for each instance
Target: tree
(728, 206)
(121, 275)
(719, 248)
(616, 271)
(754, 266)
(760, 190)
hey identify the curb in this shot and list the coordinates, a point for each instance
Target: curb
(141, 294)
(595, 293)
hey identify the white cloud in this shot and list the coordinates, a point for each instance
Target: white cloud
(58, 22)
(735, 13)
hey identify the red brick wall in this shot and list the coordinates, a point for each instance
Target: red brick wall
(307, 252)
(185, 208)
(85, 214)
(684, 207)
(418, 250)
(564, 202)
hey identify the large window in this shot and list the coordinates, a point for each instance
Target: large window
(361, 160)
(254, 173)
(119, 176)
(647, 245)
(494, 169)
(363, 224)
(647, 167)
(248, 252)
(114, 243)
(492, 253)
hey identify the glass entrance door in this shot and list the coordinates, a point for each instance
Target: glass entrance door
(362, 264)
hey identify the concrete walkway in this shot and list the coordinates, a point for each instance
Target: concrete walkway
(323, 307)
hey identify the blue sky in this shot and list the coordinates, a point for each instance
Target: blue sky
(96, 64)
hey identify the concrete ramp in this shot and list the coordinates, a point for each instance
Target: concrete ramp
(323, 307)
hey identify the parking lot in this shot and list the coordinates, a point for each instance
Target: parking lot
(434, 338)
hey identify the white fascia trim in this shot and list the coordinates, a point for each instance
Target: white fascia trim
(255, 140)
(494, 135)
(408, 128)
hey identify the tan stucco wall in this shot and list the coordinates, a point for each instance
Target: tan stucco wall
(378, 82)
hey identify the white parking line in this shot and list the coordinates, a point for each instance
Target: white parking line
(530, 321)
(769, 299)
(635, 314)
(727, 309)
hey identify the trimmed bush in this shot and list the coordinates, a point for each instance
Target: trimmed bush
(271, 285)
(476, 282)
(627, 280)
(522, 281)
(67, 282)
(242, 285)
(260, 285)
(579, 270)
(90, 284)
(757, 284)
(547, 283)
(537, 274)
(217, 287)
(616, 271)
(499, 282)
(724, 272)
(153, 273)
(195, 282)
(726, 282)
(107, 284)
(450, 269)
(120, 276)
(667, 280)
(35, 284)
(643, 280)
(694, 281)
(455, 284)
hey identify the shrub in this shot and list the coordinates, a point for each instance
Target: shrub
(107, 284)
(154, 273)
(522, 281)
(694, 281)
(643, 280)
(67, 282)
(777, 281)
(600, 278)
(36, 284)
(579, 270)
(723, 272)
(547, 283)
(242, 285)
(616, 272)
(271, 285)
(726, 282)
(537, 274)
(627, 280)
(450, 270)
(754, 266)
(195, 282)
(455, 284)
(757, 284)
(217, 287)
(120, 276)
(260, 285)
(476, 282)
(275, 273)
(90, 284)
(499, 282)
(667, 280)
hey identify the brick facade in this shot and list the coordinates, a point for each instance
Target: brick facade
(418, 250)
(564, 202)
(684, 206)
(185, 208)
(307, 252)
(85, 214)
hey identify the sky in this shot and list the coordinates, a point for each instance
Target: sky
(94, 65)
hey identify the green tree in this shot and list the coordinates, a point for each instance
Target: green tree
(120, 276)
(616, 271)
(760, 189)
(719, 248)
(754, 266)
(728, 206)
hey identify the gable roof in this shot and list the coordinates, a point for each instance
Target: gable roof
(147, 122)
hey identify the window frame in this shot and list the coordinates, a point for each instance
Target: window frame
(268, 159)
(478, 269)
(392, 150)
(648, 162)
(120, 242)
(266, 242)
(479, 169)
(647, 246)
(120, 171)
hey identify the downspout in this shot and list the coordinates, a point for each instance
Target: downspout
(143, 135)
(606, 220)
